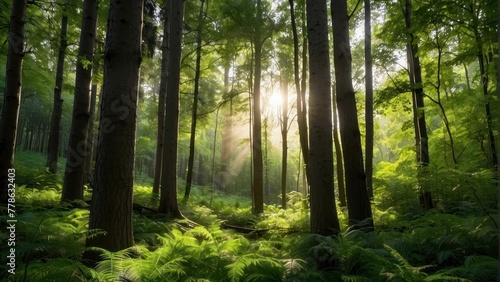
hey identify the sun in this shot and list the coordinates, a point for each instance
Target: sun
(275, 100)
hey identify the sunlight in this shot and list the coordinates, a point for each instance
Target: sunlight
(275, 100)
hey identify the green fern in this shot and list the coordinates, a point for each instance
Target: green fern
(268, 268)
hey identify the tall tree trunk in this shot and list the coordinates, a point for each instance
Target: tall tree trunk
(358, 202)
(338, 153)
(498, 93)
(89, 158)
(227, 137)
(368, 101)
(419, 114)
(324, 219)
(258, 166)
(284, 144)
(12, 97)
(111, 208)
(194, 113)
(55, 122)
(78, 147)
(168, 195)
(300, 89)
(162, 97)
(487, 108)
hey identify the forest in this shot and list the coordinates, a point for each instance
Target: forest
(249, 140)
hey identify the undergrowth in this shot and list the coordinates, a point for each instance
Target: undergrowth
(411, 246)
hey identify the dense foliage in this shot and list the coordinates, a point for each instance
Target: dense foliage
(449, 244)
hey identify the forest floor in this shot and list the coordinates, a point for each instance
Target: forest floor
(228, 243)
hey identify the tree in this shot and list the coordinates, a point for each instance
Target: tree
(12, 96)
(168, 195)
(55, 123)
(324, 218)
(79, 148)
(284, 137)
(189, 177)
(368, 101)
(162, 97)
(300, 88)
(111, 208)
(358, 202)
(418, 111)
(258, 167)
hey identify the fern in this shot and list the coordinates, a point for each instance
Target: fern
(239, 270)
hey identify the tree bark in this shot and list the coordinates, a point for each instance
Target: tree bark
(111, 208)
(55, 124)
(12, 97)
(368, 101)
(194, 113)
(358, 203)
(284, 144)
(258, 166)
(324, 219)
(227, 137)
(161, 98)
(338, 153)
(78, 148)
(300, 89)
(89, 158)
(419, 114)
(168, 195)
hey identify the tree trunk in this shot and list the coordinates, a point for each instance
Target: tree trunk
(89, 158)
(338, 153)
(258, 166)
(55, 123)
(487, 108)
(194, 113)
(12, 97)
(284, 144)
(498, 93)
(227, 137)
(419, 114)
(358, 202)
(324, 218)
(78, 148)
(111, 208)
(161, 98)
(300, 89)
(168, 195)
(368, 101)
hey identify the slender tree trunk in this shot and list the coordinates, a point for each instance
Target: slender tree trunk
(168, 195)
(324, 219)
(498, 96)
(12, 98)
(338, 153)
(89, 158)
(487, 108)
(284, 144)
(358, 202)
(111, 208)
(194, 114)
(258, 167)
(227, 137)
(300, 89)
(437, 101)
(161, 98)
(419, 115)
(78, 148)
(55, 124)
(368, 101)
